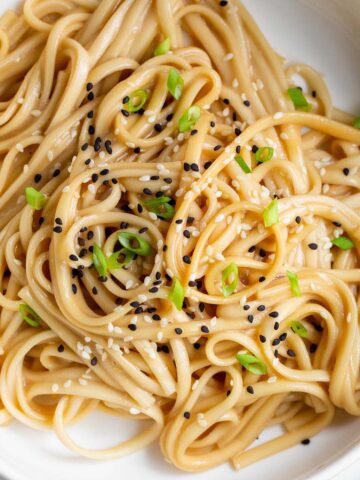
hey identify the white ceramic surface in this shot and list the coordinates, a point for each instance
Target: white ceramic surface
(325, 34)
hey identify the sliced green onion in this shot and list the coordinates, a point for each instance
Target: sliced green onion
(252, 363)
(298, 99)
(243, 164)
(99, 260)
(34, 198)
(229, 274)
(299, 328)
(271, 214)
(113, 261)
(177, 293)
(162, 48)
(137, 100)
(189, 118)
(294, 283)
(161, 207)
(175, 83)
(135, 243)
(356, 123)
(29, 315)
(343, 242)
(264, 154)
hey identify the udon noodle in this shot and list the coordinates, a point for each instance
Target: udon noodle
(180, 230)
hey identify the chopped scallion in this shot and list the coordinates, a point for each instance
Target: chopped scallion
(99, 260)
(137, 100)
(189, 118)
(161, 207)
(29, 315)
(177, 293)
(125, 256)
(264, 154)
(356, 123)
(135, 243)
(175, 83)
(230, 274)
(34, 198)
(162, 48)
(252, 363)
(241, 162)
(343, 242)
(294, 283)
(299, 328)
(298, 99)
(271, 214)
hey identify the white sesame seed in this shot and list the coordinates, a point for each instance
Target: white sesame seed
(142, 297)
(54, 387)
(85, 355)
(278, 115)
(82, 381)
(228, 56)
(35, 113)
(134, 411)
(276, 362)
(195, 385)
(68, 384)
(272, 379)
(66, 189)
(219, 218)
(110, 327)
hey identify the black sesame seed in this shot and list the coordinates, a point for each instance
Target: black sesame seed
(193, 132)
(283, 336)
(154, 177)
(179, 221)
(314, 93)
(138, 310)
(57, 229)
(298, 219)
(178, 331)
(275, 342)
(262, 338)
(94, 291)
(238, 149)
(143, 230)
(226, 101)
(108, 147)
(201, 306)
(58, 221)
(246, 307)
(250, 318)
(212, 124)
(346, 171)
(105, 171)
(118, 301)
(318, 327)
(153, 289)
(73, 257)
(156, 317)
(261, 308)
(194, 167)
(84, 147)
(186, 167)
(169, 117)
(165, 349)
(147, 191)
(56, 172)
(93, 361)
(337, 224)
(61, 348)
(90, 114)
(125, 112)
(132, 327)
(91, 96)
(247, 103)
(291, 353)
(94, 177)
(190, 220)
(103, 279)
(74, 288)
(306, 441)
(126, 99)
(158, 127)
(223, 3)
(89, 86)
(207, 165)
(313, 246)
(254, 148)
(186, 233)
(262, 253)
(37, 178)
(262, 279)
(139, 208)
(91, 129)
(217, 147)
(196, 345)
(250, 389)
(276, 325)
(205, 329)
(237, 131)
(274, 314)
(187, 259)
(313, 348)
(252, 249)
(134, 304)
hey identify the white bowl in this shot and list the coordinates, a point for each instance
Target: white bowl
(325, 34)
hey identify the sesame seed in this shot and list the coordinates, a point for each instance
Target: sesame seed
(313, 348)
(262, 279)
(276, 326)
(291, 353)
(262, 338)
(346, 171)
(57, 229)
(261, 308)
(61, 348)
(283, 336)
(275, 342)
(178, 331)
(313, 246)
(187, 415)
(186, 259)
(74, 288)
(250, 389)
(306, 441)
(205, 329)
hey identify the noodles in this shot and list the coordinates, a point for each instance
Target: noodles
(180, 232)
